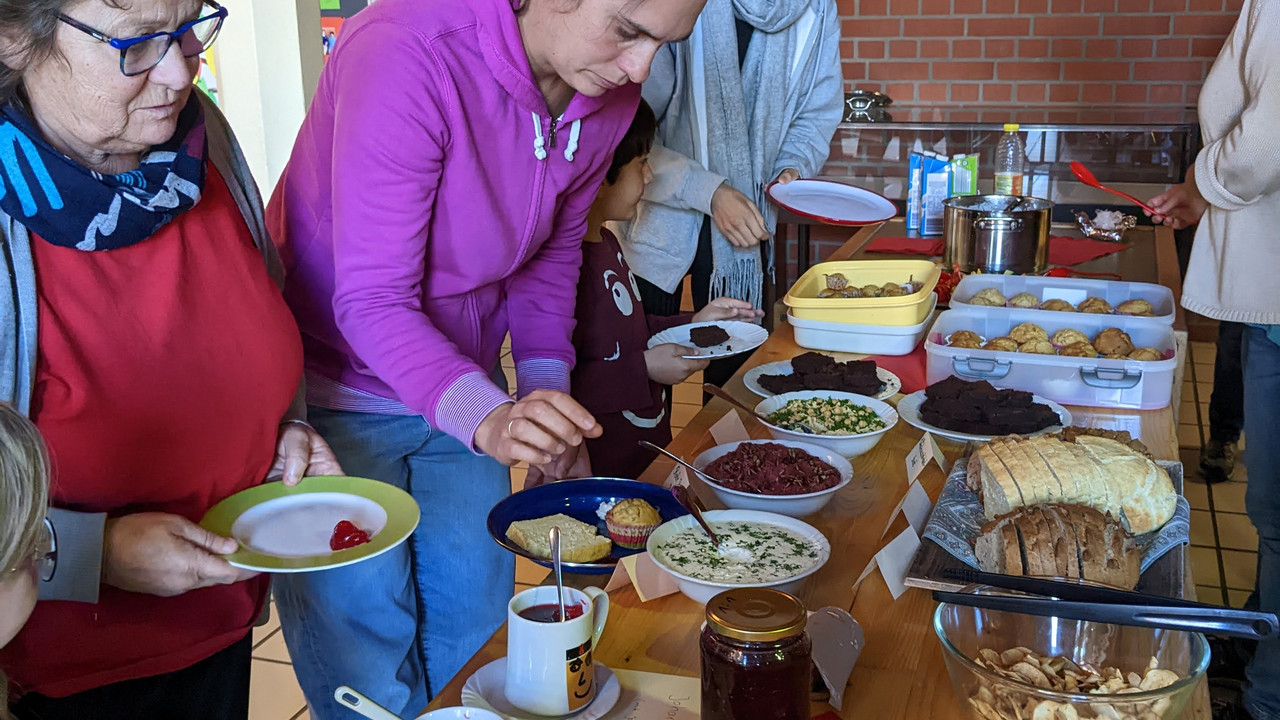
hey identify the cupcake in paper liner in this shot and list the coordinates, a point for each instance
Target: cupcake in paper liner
(631, 522)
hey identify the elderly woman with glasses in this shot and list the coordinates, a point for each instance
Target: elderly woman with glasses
(145, 334)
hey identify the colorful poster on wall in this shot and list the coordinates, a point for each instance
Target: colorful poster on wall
(329, 28)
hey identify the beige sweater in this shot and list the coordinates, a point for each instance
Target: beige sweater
(1236, 257)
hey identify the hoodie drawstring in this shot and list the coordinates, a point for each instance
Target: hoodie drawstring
(572, 147)
(540, 142)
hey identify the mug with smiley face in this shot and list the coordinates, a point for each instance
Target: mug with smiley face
(550, 670)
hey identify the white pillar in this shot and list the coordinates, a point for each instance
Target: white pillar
(268, 59)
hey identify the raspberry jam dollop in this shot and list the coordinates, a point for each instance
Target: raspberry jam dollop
(347, 535)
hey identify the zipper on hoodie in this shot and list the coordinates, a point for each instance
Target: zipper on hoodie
(535, 204)
(551, 132)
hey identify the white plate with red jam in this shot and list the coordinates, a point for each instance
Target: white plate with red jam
(319, 524)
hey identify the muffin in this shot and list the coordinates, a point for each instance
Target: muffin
(1026, 332)
(1002, 344)
(964, 339)
(1095, 306)
(1079, 349)
(891, 289)
(1066, 337)
(631, 522)
(1136, 307)
(870, 291)
(1038, 346)
(1114, 356)
(1146, 354)
(1057, 305)
(1024, 300)
(1113, 341)
(990, 297)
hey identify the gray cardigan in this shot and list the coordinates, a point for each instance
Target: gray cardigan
(660, 244)
(79, 535)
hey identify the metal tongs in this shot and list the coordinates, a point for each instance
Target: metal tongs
(1053, 598)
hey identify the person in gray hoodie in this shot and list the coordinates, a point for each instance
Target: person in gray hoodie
(752, 97)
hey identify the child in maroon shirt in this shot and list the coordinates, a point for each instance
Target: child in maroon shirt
(623, 384)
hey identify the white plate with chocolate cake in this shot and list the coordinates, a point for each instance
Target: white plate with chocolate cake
(819, 371)
(720, 339)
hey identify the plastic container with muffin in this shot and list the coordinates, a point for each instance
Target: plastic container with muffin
(1071, 295)
(1108, 361)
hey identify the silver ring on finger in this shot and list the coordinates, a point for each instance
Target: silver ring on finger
(510, 424)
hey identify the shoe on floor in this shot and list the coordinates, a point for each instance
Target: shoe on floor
(1226, 700)
(1217, 461)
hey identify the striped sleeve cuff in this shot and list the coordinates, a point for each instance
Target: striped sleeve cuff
(466, 403)
(79, 538)
(541, 374)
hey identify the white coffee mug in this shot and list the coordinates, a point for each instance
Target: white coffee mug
(549, 664)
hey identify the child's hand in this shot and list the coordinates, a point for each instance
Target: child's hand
(727, 308)
(667, 365)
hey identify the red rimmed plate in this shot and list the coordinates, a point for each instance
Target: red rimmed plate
(831, 202)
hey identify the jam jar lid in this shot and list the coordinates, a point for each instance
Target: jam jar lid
(756, 615)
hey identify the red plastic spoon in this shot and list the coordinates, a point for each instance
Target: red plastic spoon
(1083, 175)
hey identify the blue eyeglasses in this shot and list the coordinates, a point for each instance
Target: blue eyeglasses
(138, 55)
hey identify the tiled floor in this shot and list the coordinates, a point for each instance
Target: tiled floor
(1224, 545)
(1223, 553)
(274, 691)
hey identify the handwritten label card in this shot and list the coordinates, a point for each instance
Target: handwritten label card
(895, 558)
(915, 505)
(641, 571)
(729, 429)
(656, 696)
(893, 561)
(679, 476)
(921, 455)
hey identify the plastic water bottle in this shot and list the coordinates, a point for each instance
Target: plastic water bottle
(1011, 162)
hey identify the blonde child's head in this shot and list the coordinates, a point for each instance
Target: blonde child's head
(24, 502)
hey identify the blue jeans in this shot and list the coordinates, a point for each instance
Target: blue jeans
(398, 627)
(1262, 501)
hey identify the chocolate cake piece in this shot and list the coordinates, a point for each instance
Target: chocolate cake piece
(708, 336)
(815, 371)
(982, 409)
(779, 384)
(812, 362)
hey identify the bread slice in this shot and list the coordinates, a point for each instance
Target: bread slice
(1054, 456)
(1141, 492)
(579, 542)
(1070, 548)
(1029, 478)
(1000, 493)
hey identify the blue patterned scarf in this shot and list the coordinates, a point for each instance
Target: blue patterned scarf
(69, 205)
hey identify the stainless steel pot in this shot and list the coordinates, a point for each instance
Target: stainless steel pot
(997, 233)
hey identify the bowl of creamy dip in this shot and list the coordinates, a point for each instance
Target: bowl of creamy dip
(757, 549)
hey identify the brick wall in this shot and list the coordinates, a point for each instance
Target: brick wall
(1067, 52)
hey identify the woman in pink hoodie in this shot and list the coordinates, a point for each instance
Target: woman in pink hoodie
(436, 200)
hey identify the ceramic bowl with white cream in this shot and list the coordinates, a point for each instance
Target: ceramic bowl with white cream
(757, 549)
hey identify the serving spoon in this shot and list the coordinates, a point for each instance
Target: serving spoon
(685, 498)
(1083, 174)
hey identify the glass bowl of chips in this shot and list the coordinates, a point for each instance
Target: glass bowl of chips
(1011, 666)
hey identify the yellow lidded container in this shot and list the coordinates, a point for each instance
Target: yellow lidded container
(900, 311)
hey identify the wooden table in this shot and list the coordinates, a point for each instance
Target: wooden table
(900, 674)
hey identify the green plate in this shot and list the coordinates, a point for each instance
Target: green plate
(320, 497)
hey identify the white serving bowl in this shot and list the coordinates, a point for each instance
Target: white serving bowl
(849, 446)
(701, 591)
(790, 505)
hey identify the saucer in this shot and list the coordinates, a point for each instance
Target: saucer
(486, 690)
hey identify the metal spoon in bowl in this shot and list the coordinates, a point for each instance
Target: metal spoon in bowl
(685, 497)
(555, 561)
(802, 427)
(688, 465)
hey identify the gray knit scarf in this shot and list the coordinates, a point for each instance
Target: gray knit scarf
(746, 103)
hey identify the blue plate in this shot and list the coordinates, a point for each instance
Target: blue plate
(578, 499)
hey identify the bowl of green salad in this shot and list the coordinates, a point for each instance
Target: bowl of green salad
(842, 422)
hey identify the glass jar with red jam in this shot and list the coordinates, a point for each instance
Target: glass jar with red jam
(755, 657)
